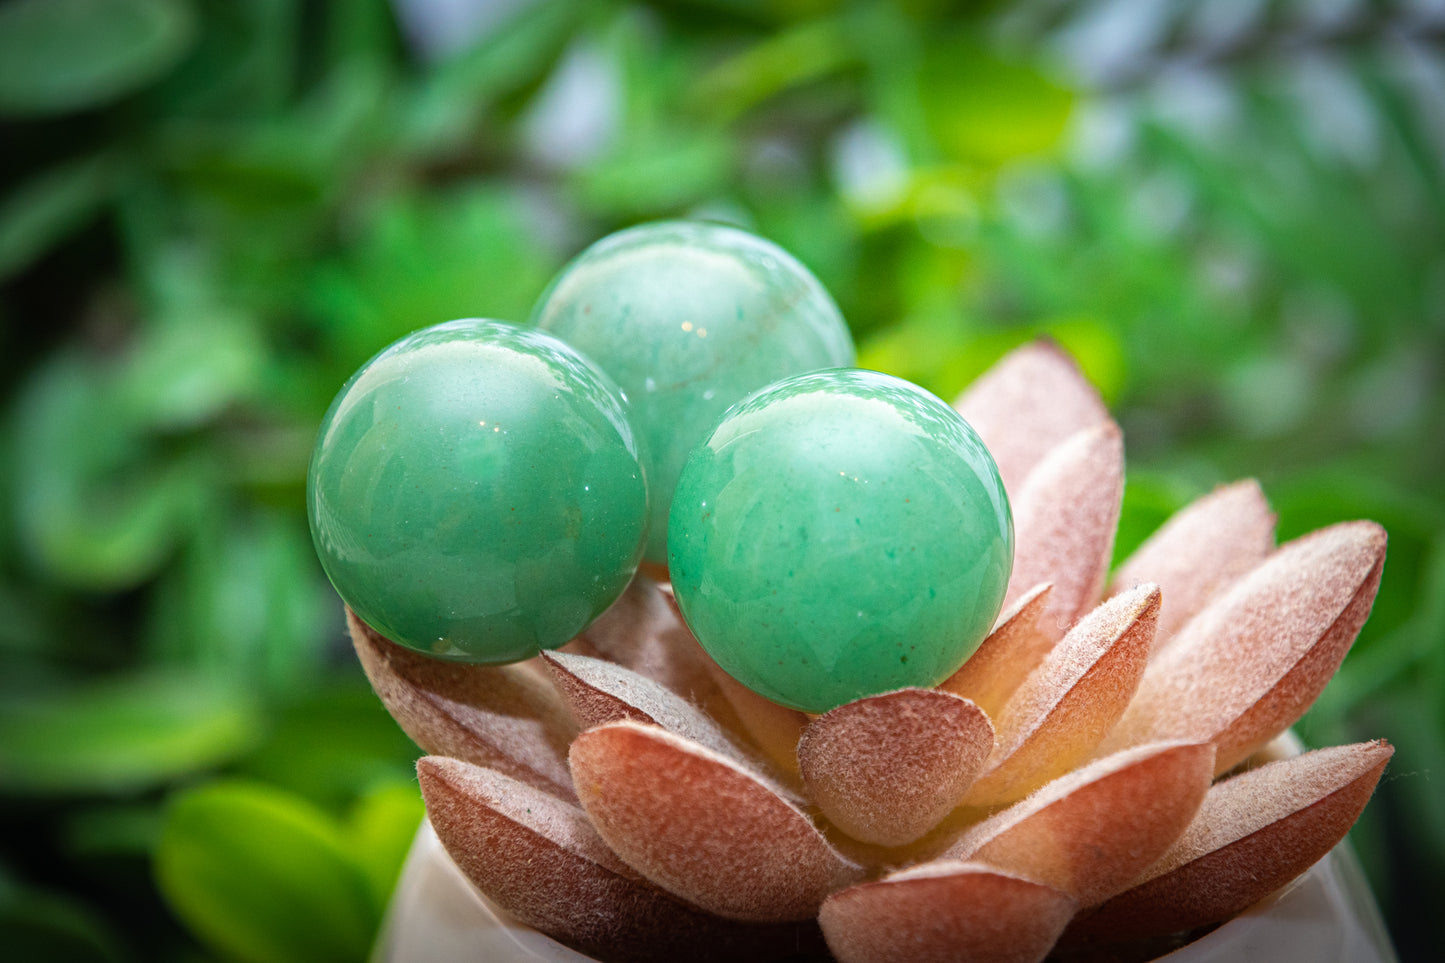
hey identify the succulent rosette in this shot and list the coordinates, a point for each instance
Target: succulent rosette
(1100, 777)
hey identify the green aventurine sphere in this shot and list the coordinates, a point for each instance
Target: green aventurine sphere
(840, 534)
(476, 492)
(689, 318)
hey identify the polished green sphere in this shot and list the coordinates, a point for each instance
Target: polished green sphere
(689, 318)
(840, 534)
(476, 492)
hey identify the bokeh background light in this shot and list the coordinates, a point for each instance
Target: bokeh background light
(211, 213)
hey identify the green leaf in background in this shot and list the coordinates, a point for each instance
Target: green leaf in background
(113, 829)
(36, 924)
(988, 110)
(421, 260)
(43, 211)
(249, 602)
(331, 744)
(944, 353)
(263, 876)
(445, 106)
(796, 56)
(655, 174)
(184, 372)
(65, 55)
(123, 734)
(380, 829)
(91, 507)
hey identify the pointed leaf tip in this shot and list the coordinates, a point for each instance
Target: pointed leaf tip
(1254, 833)
(1200, 551)
(597, 692)
(1028, 403)
(1011, 651)
(1065, 516)
(1249, 665)
(1064, 709)
(1068, 833)
(502, 716)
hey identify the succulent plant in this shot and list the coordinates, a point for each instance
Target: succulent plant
(1101, 777)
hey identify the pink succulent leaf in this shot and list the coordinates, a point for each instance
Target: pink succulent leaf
(1254, 833)
(1065, 515)
(540, 860)
(948, 912)
(1248, 666)
(1026, 405)
(598, 691)
(505, 717)
(703, 827)
(887, 768)
(1199, 551)
(1012, 650)
(1064, 709)
(773, 728)
(644, 632)
(1070, 834)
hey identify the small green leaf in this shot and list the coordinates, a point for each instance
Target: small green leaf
(381, 829)
(123, 734)
(184, 372)
(113, 829)
(657, 174)
(332, 743)
(799, 55)
(39, 925)
(986, 109)
(94, 506)
(43, 211)
(64, 55)
(474, 252)
(262, 875)
(247, 600)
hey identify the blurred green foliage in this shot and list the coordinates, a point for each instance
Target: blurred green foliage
(211, 213)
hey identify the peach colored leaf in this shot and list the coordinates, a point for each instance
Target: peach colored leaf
(703, 827)
(885, 769)
(503, 716)
(539, 858)
(598, 692)
(945, 911)
(1254, 833)
(1092, 832)
(1250, 664)
(1063, 710)
(1199, 551)
(1026, 404)
(773, 728)
(643, 631)
(1012, 650)
(1064, 521)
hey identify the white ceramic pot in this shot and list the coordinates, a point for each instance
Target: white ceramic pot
(1328, 914)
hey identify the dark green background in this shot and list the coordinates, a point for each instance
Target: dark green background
(212, 212)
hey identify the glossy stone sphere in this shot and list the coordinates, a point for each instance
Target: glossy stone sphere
(840, 534)
(689, 318)
(476, 492)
